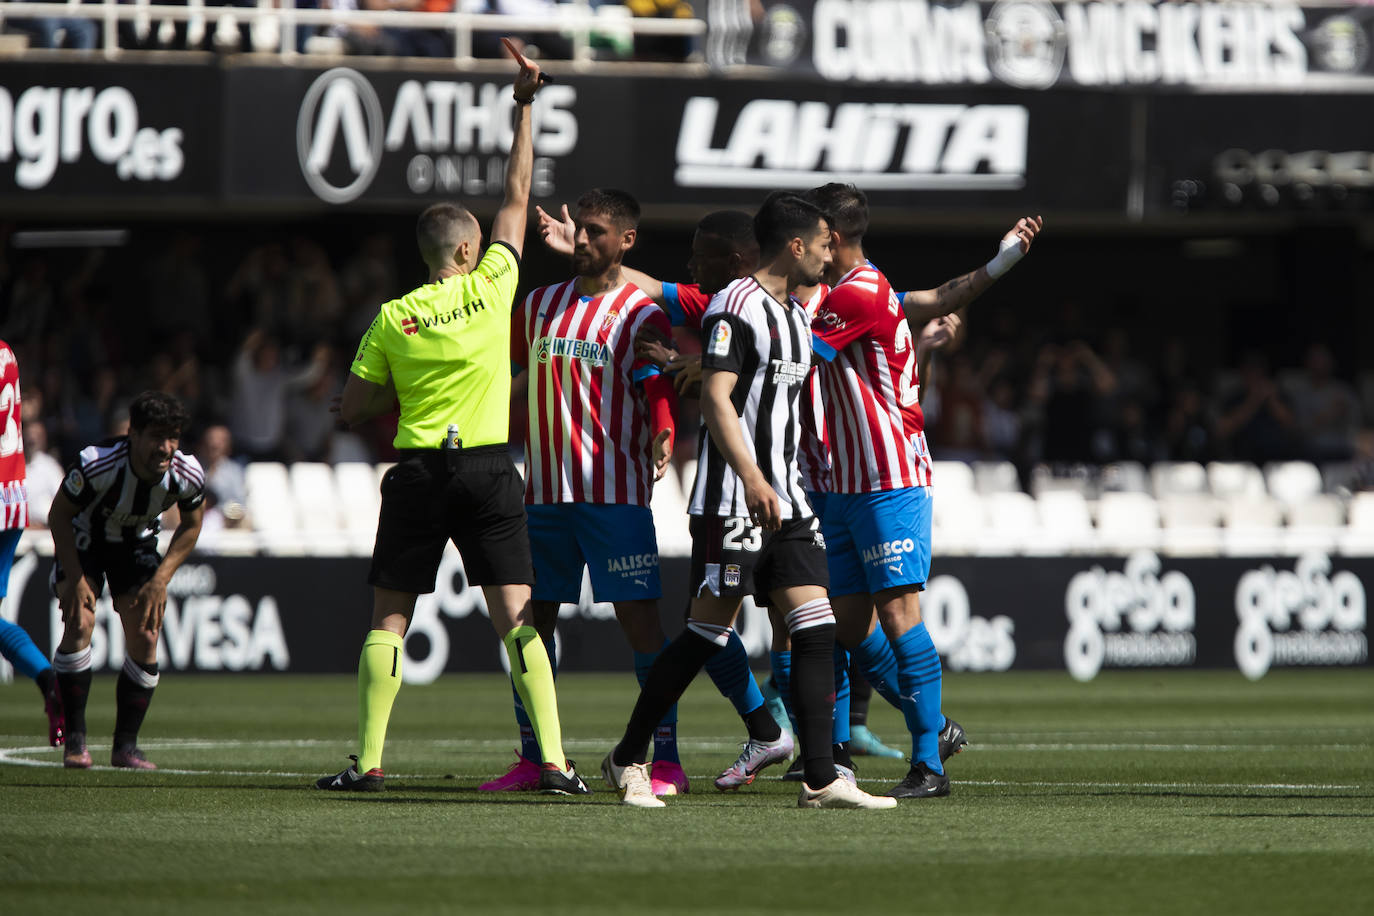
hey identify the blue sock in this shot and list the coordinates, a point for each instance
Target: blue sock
(19, 650)
(841, 726)
(918, 671)
(529, 747)
(879, 666)
(665, 735)
(782, 679)
(729, 671)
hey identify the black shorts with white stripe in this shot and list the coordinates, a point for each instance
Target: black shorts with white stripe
(734, 557)
(126, 566)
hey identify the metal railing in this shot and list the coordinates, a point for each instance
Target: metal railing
(273, 25)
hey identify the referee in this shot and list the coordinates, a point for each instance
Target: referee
(443, 351)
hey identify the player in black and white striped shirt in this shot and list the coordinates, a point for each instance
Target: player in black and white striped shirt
(104, 523)
(752, 529)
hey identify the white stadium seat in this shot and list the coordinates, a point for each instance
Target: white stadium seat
(359, 502)
(1125, 477)
(1192, 524)
(995, 477)
(1065, 523)
(1292, 482)
(1358, 537)
(1234, 478)
(1010, 524)
(952, 476)
(1176, 478)
(271, 509)
(1253, 526)
(1315, 524)
(1128, 521)
(957, 521)
(318, 510)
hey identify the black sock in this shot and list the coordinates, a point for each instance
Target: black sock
(860, 692)
(76, 688)
(840, 754)
(45, 680)
(672, 672)
(131, 705)
(813, 700)
(761, 725)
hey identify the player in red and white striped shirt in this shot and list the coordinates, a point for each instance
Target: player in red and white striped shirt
(15, 645)
(877, 521)
(599, 433)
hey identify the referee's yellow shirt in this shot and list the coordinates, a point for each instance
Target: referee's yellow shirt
(447, 345)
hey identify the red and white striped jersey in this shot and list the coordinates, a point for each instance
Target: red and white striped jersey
(14, 498)
(813, 449)
(588, 437)
(870, 389)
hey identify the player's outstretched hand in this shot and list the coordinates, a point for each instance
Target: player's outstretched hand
(558, 234)
(663, 452)
(1025, 231)
(527, 81)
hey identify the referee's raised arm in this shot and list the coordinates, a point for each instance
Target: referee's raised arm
(509, 225)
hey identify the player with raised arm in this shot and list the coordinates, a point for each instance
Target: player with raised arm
(443, 350)
(15, 645)
(104, 521)
(599, 434)
(752, 529)
(877, 522)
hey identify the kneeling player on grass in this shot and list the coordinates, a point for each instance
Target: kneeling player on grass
(104, 523)
(752, 530)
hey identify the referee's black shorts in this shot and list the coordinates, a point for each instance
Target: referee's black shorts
(474, 498)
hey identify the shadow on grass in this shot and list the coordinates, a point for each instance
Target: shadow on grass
(1289, 814)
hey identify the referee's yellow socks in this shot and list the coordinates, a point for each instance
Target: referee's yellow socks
(533, 677)
(379, 680)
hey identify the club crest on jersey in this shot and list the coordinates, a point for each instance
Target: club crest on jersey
(787, 372)
(588, 351)
(731, 576)
(410, 325)
(609, 321)
(720, 339)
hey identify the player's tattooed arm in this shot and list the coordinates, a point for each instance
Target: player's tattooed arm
(924, 305)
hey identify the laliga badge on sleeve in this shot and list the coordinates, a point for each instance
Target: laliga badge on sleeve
(720, 339)
(75, 483)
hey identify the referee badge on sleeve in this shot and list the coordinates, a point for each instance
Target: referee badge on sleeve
(720, 339)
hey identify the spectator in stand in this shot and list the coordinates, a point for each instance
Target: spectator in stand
(1002, 420)
(309, 423)
(1074, 380)
(261, 384)
(59, 32)
(960, 428)
(44, 471)
(1362, 462)
(1256, 422)
(224, 477)
(1187, 428)
(544, 45)
(1326, 409)
(670, 47)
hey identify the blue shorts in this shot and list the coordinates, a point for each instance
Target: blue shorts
(9, 542)
(616, 543)
(817, 501)
(877, 540)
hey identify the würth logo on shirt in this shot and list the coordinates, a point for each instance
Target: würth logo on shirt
(410, 325)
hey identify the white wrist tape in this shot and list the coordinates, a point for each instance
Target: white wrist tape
(1008, 253)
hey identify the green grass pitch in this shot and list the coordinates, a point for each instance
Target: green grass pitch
(1142, 792)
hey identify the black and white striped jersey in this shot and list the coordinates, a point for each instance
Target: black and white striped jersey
(115, 506)
(766, 343)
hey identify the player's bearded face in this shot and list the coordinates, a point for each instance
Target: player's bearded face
(597, 245)
(152, 449)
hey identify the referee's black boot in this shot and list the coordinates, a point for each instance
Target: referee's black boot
(350, 780)
(554, 781)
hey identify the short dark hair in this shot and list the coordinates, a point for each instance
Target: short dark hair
(784, 216)
(734, 226)
(159, 410)
(846, 208)
(619, 205)
(442, 227)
